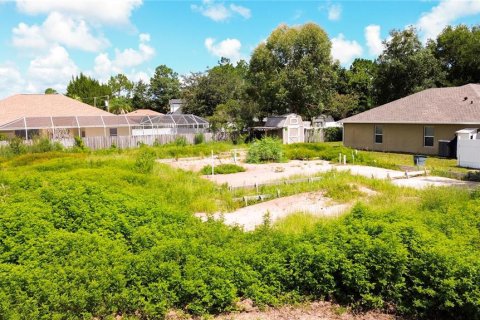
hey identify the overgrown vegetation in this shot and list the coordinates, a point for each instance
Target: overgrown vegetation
(84, 236)
(226, 168)
(265, 150)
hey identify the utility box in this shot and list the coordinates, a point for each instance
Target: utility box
(419, 160)
(444, 149)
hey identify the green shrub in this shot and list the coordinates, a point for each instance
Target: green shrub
(79, 144)
(222, 169)
(145, 160)
(17, 146)
(44, 144)
(333, 134)
(265, 150)
(180, 141)
(199, 138)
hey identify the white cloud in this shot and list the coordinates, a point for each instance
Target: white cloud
(244, 12)
(344, 50)
(374, 41)
(228, 48)
(11, 80)
(104, 67)
(54, 70)
(59, 30)
(334, 12)
(446, 12)
(219, 12)
(104, 11)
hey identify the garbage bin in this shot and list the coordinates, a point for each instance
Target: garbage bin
(419, 160)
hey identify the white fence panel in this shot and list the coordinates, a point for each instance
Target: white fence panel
(468, 153)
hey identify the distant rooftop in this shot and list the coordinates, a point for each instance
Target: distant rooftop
(44, 105)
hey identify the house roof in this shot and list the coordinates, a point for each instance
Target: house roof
(44, 105)
(144, 112)
(454, 105)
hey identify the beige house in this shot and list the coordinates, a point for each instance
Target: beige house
(417, 123)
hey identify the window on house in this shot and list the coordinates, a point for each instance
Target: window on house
(428, 136)
(113, 132)
(378, 134)
(82, 133)
(294, 121)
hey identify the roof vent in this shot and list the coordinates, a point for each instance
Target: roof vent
(465, 99)
(471, 102)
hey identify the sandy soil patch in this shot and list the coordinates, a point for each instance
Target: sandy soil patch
(312, 311)
(252, 216)
(262, 173)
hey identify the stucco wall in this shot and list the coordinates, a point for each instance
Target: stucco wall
(407, 138)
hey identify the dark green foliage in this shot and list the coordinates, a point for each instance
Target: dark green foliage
(406, 67)
(265, 150)
(222, 84)
(85, 89)
(292, 71)
(457, 50)
(199, 138)
(164, 85)
(222, 169)
(145, 160)
(333, 134)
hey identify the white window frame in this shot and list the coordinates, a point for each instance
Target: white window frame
(294, 121)
(375, 134)
(425, 136)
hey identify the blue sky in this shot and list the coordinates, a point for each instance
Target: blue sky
(45, 42)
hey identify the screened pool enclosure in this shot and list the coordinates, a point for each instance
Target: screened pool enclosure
(114, 125)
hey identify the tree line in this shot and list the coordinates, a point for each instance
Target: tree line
(293, 71)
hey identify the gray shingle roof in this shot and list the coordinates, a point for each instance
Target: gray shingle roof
(436, 106)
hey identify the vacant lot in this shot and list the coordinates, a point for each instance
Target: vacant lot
(97, 235)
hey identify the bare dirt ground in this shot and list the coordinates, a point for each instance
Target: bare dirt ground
(311, 311)
(313, 202)
(252, 216)
(261, 173)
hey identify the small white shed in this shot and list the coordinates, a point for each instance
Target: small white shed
(289, 128)
(468, 148)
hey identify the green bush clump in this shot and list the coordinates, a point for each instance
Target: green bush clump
(333, 134)
(180, 142)
(44, 144)
(265, 150)
(145, 160)
(222, 169)
(199, 138)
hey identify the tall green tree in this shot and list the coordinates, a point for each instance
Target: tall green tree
(121, 86)
(292, 71)
(458, 49)
(89, 90)
(141, 98)
(406, 67)
(164, 85)
(361, 77)
(50, 91)
(204, 92)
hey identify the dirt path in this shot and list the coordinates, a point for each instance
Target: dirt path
(312, 311)
(253, 216)
(261, 173)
